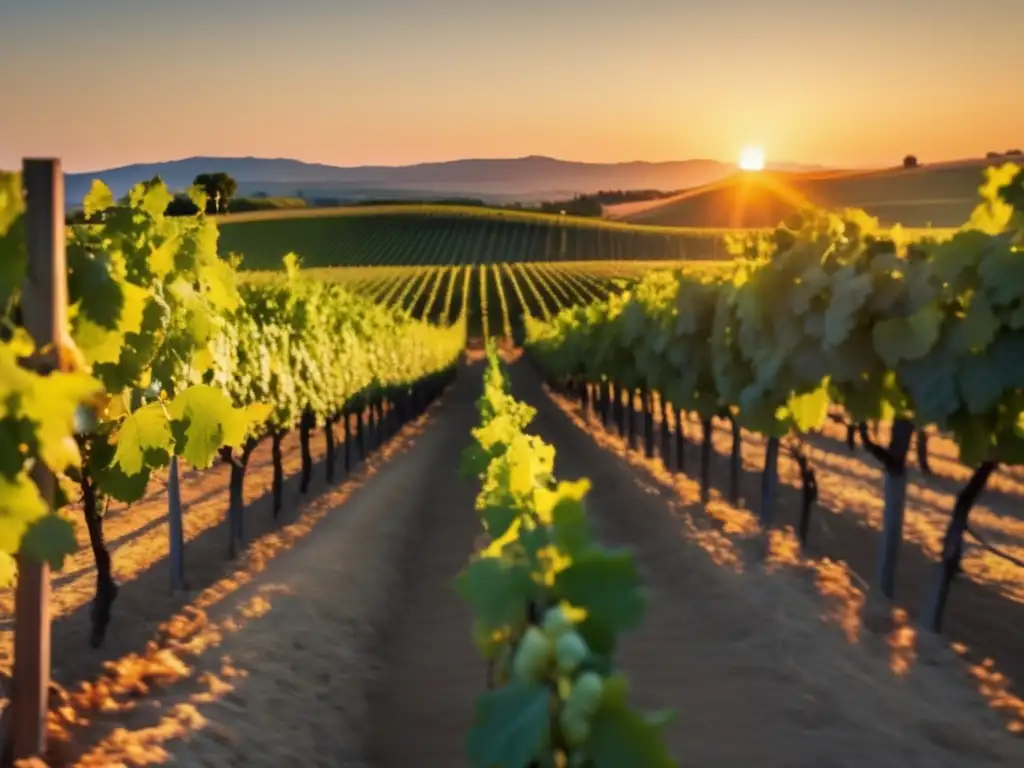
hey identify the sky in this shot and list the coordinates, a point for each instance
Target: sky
(101, 83)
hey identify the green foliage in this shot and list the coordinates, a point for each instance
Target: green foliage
(557, 696)
(37, 423)
(829, 308)
(173, 359)
(449, 235)
(300, 345)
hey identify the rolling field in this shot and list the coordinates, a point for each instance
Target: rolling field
(690, 226)
(447, 235)
(438, 262)
(939, 196)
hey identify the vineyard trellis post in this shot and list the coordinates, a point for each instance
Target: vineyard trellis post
(44, 306)
(175, 526)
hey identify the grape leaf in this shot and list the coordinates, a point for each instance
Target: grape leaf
(20, 504)
(511, 727)
(907, 338)
(606, 584)
(161, 260)
(809, 411)
(497, 591)
(207, 421)
(849, 293)
(976, 329)
(621, 737)
(111, 479)
(50, 539)
(144, 438)
(569, 517)
(979, 380)
(97, 199)
(498, 519)
(51, 404)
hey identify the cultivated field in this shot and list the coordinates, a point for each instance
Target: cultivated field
(334, 634)
(931, 196)
(340, 624)
(447, 235)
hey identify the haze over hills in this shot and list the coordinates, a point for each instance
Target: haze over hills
(941, 194)
(495, 180)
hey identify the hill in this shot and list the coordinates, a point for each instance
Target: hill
(496, 180)
(400, 235)
(941, 195)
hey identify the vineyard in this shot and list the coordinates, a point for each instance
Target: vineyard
(307, 423)
(432, 235)
(495, 296)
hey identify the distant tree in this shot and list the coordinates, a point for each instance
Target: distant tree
(993, 155)
(219, 187)
(1014, 152)
(910, 161)
(182, 205)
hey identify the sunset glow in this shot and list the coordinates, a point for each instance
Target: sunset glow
(752, 159)
(467, 80)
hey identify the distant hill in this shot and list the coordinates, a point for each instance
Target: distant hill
(497, 180)
(941, 195)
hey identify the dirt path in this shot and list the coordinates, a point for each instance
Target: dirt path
(985, 614)
(364, 604)
(756, 675)
(138, 540)
(431, 672)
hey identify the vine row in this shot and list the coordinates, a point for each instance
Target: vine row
(549, 604)
(827, 310)
(166, 357)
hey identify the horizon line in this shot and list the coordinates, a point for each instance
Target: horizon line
(467, 160)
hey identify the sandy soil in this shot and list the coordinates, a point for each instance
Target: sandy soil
(421, 707)
(138, 539)
(984, 620)
(339, 641)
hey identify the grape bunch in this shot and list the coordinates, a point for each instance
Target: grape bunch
(556, 650)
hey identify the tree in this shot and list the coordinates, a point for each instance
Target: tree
(910, 161)
(219, 187)
(181, 205)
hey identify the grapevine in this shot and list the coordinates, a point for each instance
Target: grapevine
(173, 359)
(830, 310)
(549, 603)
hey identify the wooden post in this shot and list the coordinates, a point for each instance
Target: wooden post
(175, 526)
(44, 307)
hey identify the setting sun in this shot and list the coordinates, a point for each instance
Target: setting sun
(752, 159)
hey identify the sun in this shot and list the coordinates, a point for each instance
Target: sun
(752, 159)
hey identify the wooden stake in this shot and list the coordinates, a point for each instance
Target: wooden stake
(44, 308)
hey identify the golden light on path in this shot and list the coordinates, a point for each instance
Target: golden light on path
(752, 159)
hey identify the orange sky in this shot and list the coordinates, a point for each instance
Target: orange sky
(110, 82)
